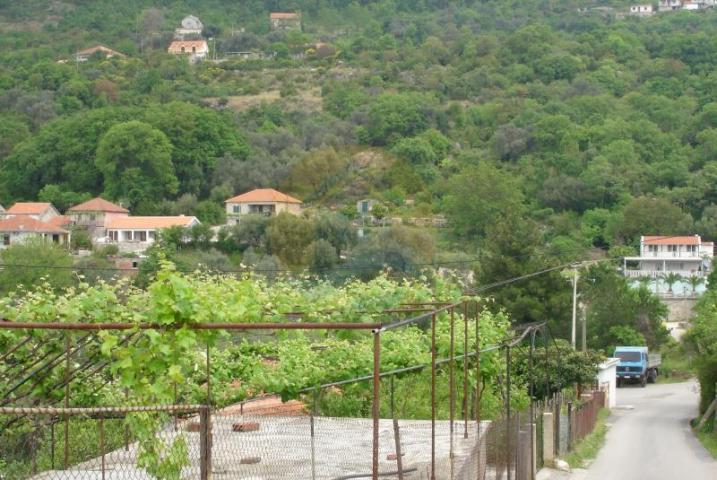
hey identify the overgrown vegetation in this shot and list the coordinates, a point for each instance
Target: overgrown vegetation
(589, 447)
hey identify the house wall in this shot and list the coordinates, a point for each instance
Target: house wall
(293, 208)
(606, 379)
(22, 237)
(681, 265)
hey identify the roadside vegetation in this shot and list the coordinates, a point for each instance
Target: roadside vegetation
(588, 448)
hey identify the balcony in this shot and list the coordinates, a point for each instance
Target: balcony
(662, 273)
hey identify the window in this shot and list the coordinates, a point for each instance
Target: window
(628, 356)
(652, 248)
(672, 248)
(55, 238)
(140, 235)
(182, 49)
(194, 49)
(6, 240)
(237, 209)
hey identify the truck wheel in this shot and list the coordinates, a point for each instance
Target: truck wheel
(618, 383)
(643, 381)
(652, 376)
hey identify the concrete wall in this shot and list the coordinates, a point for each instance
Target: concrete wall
(679, 316)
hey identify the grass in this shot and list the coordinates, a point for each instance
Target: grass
(708, 437)
(588, 448)
(677, 365)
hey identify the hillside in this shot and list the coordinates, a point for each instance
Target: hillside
(565, 127)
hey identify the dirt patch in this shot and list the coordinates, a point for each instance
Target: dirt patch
(307, 100)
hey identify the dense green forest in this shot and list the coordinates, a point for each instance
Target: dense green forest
(544, 132)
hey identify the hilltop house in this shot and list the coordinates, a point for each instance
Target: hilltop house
(20, 228)
(84, 55)
(688, 256)
(285, 21)
(42, 211)
(668, 5)
(191, 26)
(194, 49)
(136, 234)
(94, 215)
(262, 201)
(641, 10)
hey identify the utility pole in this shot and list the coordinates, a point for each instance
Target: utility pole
(575, 301)
(585, 328)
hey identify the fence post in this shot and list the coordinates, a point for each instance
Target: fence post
(102, 445)
(66, 458)
(452, 388)
(397, 438)
(433, 396)
(205, 448)
(465, 370)
(376, 398)
(570, 426)
(548, 439)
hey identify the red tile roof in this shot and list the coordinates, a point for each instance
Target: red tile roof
(60, 221)
(100, 48)
(29, 208)
(150, 223)
(671, 240)
(98, 205)
(263, 195)
(284, 16)
(24, 223)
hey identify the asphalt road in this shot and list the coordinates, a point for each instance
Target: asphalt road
(650, 437)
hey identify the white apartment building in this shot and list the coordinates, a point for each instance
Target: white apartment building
(688, 256)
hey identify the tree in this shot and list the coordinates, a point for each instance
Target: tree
(613, 302)
(392, 116)
(511, 248)
(249, 232)
(288, 236)
(695, 282)
(34, 262)
(649, 215)
(321, 256)
(335, 229)
(135, 161)
(671, 279)
(478, 195)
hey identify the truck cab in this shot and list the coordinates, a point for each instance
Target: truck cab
(636, 365)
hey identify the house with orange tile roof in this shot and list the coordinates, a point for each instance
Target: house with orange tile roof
(136, 234)
(285, 21)
(18, 229)
(84, 55)
(194, 49)
(42, 211)
(93, 215)
(261, 201)
(685, 255)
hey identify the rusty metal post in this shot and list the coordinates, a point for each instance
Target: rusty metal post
(66, 458)
(452, 388)
(532, 401)
(507, 413)
(204, 444)
(397, 439)
(570, 426)
(465, 369)
(478, 374)
(313, 433)
(102, 445)
(126, 426)
(208, 419)
(433, 397)
(52, 444)
(376, 398)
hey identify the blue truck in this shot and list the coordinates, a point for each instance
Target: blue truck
(637, 365)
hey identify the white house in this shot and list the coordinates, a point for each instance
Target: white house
(136, 234)
(688, 256)
(194, 49)
(20, 228)
(668, 5)
(641, 10)
(262, 201)
(607, 380)
(42, 211)
(190, 26)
